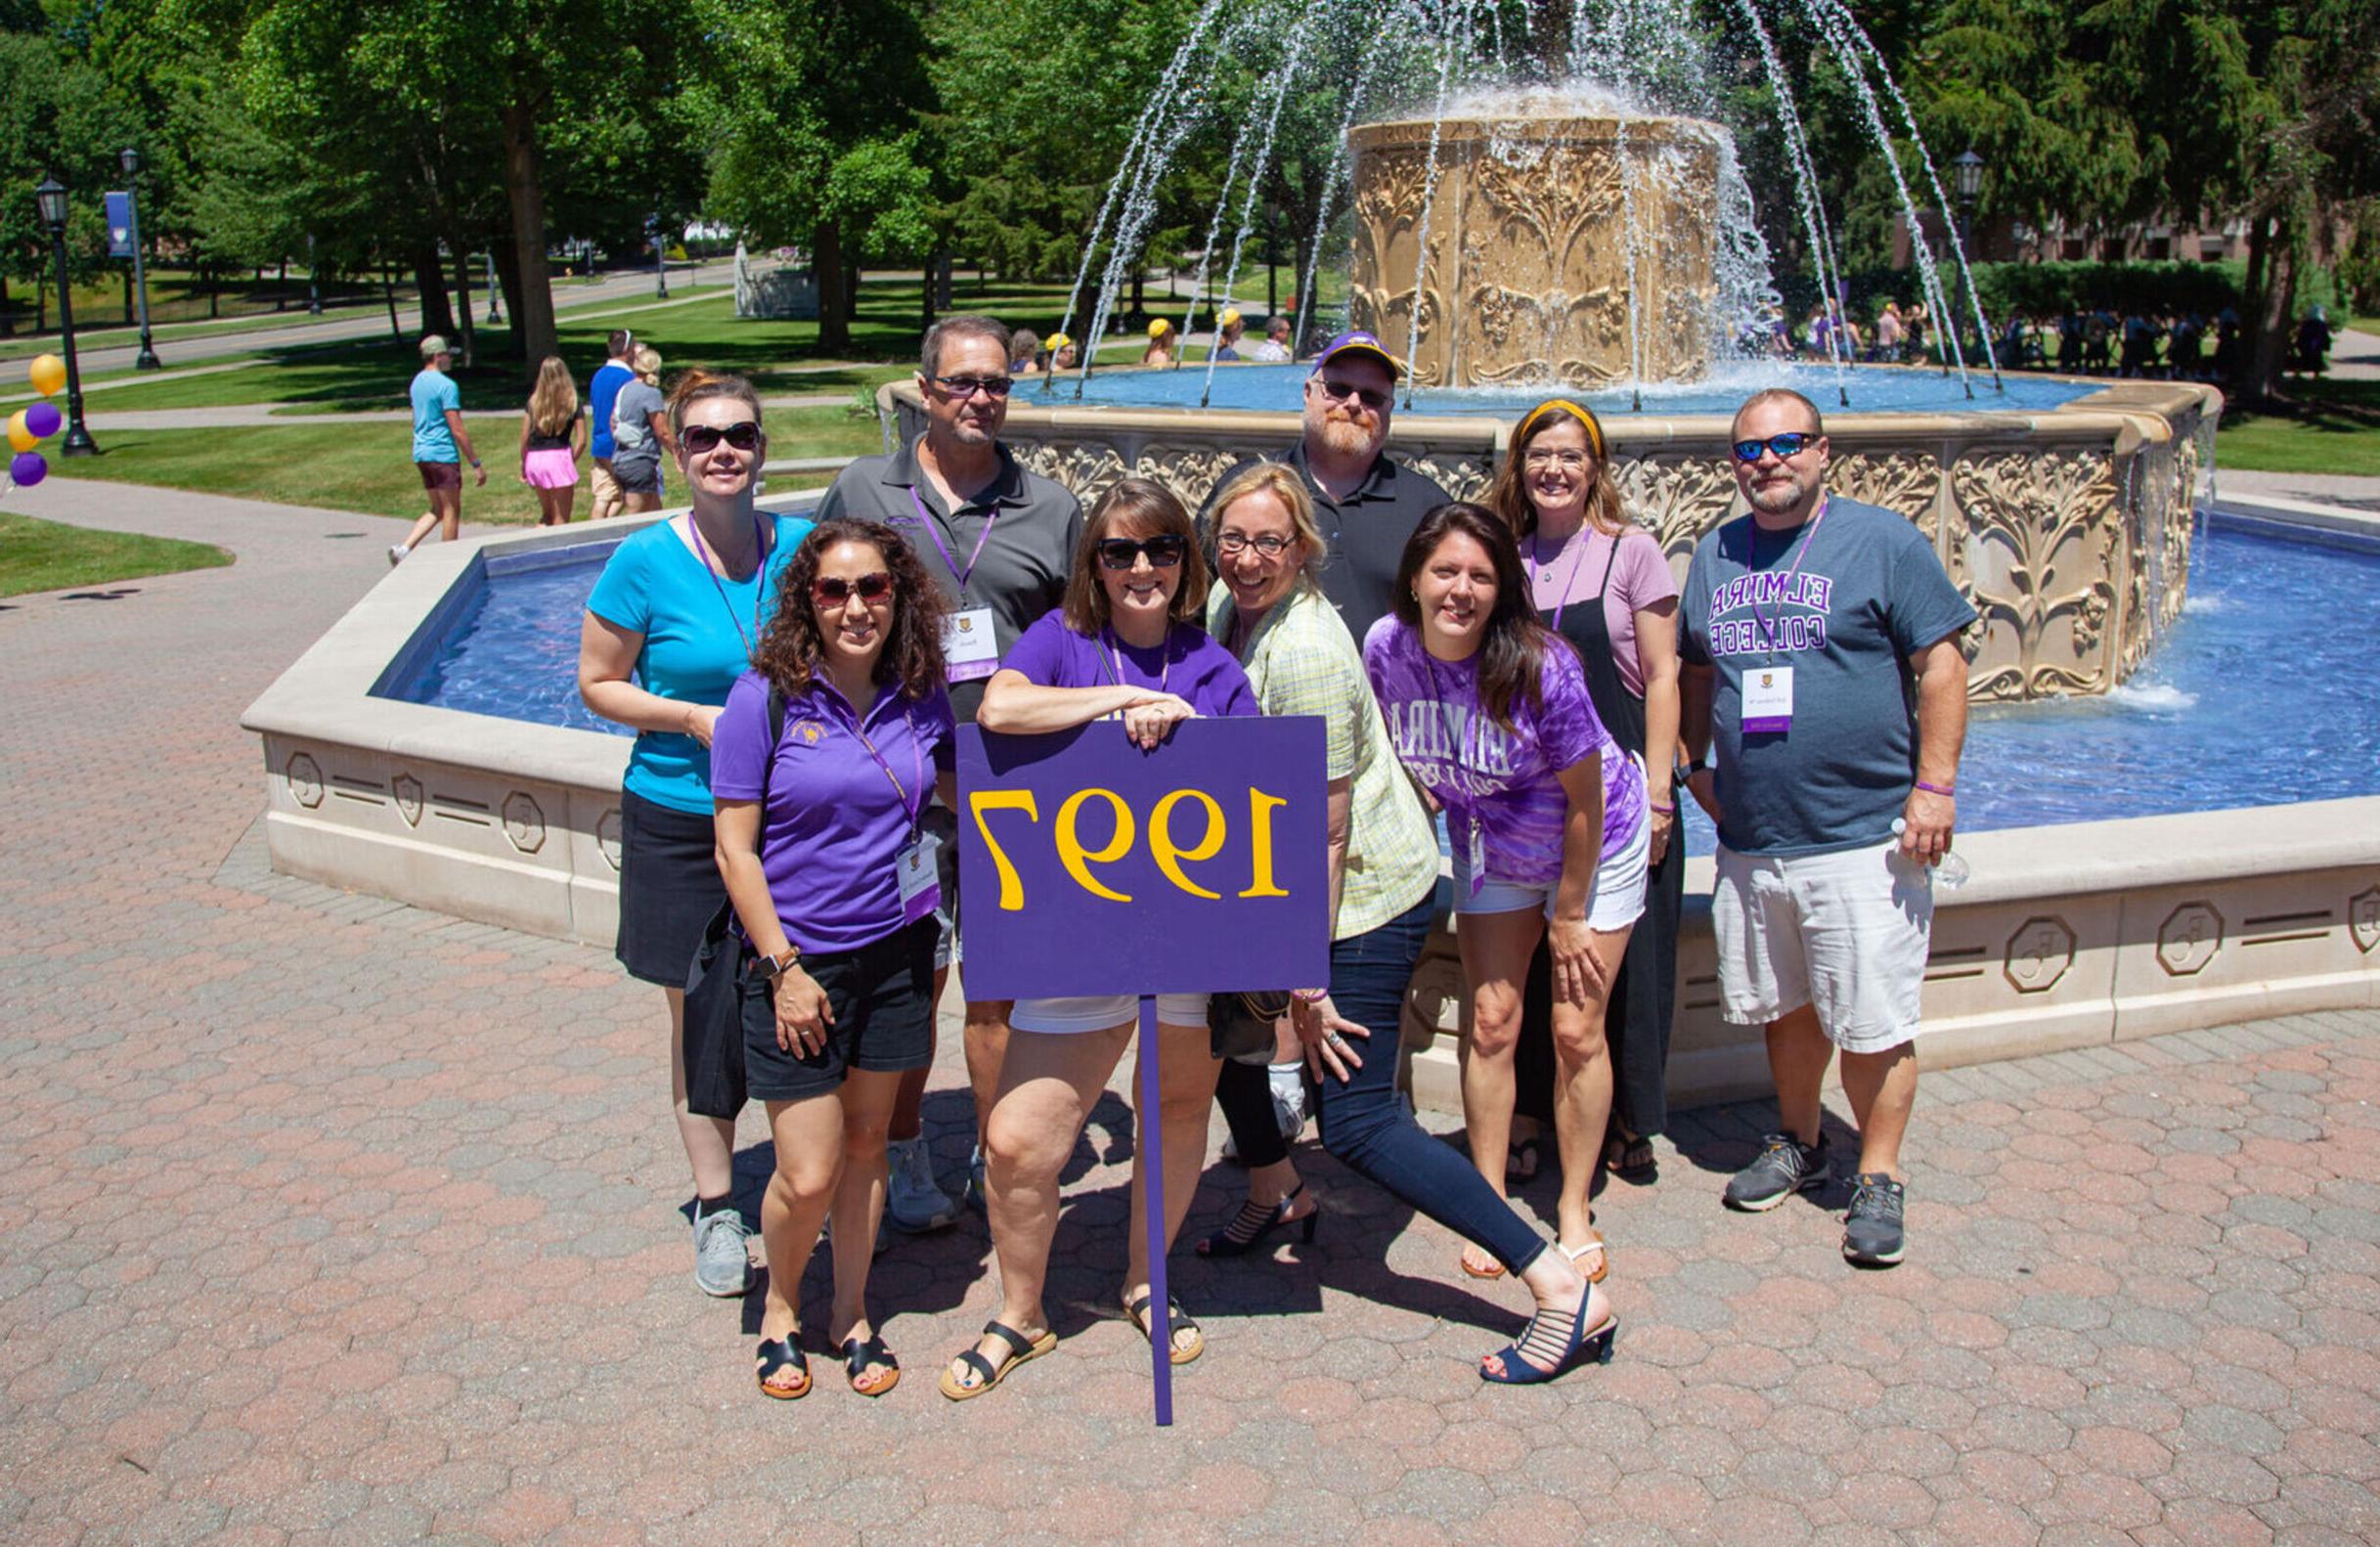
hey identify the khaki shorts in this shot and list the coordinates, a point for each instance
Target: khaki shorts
(1845, 933)
(609, 499)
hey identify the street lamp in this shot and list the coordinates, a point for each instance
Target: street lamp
(314, 273)
(147, 359)
(661, 261)
(495, 317)
(51, 198)
(1966, 177)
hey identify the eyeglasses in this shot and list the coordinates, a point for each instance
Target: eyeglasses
(1271, 545)
(1788, 444)
(1165, 551)
(743, 436)
(834, 590)
(962, 389)
(1340, 391)
(1573, 460)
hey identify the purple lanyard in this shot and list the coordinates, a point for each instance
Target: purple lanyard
(935, 532)
(760, 566)
(1107, 636)
(911, 807)
(1767, 624)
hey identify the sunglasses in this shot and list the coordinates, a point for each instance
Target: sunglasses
(1340, 391)
(834, 590)
(1788, 444)
(1120, 552)
(964, 388)
(743, 436)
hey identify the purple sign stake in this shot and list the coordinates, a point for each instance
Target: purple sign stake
(1088, 866)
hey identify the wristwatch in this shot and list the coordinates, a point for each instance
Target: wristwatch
(1700, 765)
(771, 968)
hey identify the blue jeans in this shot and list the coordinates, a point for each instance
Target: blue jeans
(1363, 1125)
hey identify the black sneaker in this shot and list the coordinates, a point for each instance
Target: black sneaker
(1872, 1232)
(1782, 1169)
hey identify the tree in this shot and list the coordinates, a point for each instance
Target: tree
(58, 119)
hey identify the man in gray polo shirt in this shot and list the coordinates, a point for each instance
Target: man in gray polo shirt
(1366, 502)
(1000, 542)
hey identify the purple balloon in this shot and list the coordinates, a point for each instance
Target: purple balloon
(42, 419)
(28, 468)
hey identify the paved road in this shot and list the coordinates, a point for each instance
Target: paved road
(330, 1220)
(364, 323)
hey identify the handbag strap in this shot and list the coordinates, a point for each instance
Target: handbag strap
(776, 733)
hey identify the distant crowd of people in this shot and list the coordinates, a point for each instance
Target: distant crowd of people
(2169, 343)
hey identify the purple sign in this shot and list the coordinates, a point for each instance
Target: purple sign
(1086, 865)
(119, 224)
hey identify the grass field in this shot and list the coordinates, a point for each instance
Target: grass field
(2326, 426)
(48, 556)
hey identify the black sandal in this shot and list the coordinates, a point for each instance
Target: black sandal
(859, 1355)
(1631, 1159)
(782, 1353)
(1523, 1159)
(1177, 1322)
(1020, 1350)
(1255, 1222)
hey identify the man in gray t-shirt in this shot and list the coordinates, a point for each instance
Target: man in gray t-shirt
(999, 542)
(1820, 641)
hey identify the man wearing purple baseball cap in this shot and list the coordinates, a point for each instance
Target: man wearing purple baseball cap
(1366, 503)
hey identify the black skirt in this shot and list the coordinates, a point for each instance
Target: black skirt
(669, 888)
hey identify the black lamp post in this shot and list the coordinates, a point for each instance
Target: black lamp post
(314, 275)
(661, 261)
(51, 198)
(147, 359)
(1967, 178)
(494, 316)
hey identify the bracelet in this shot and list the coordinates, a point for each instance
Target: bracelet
(1946, 791)
(1671, 809)
(1309, 996)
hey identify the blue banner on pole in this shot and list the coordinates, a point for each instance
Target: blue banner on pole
(120, 225)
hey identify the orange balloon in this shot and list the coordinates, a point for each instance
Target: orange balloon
(20, 436)
(49, 374)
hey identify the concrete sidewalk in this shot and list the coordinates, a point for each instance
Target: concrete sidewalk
(330, 1220)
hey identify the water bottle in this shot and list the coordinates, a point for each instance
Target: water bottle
(1952, 873)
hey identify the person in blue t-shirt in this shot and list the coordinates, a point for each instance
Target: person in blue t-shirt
(602, 390)
(670, 625)
(441, 446)
(1820, 642)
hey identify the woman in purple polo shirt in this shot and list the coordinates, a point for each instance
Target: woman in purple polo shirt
(1126, 644)
(834, 886)
(1489, 712)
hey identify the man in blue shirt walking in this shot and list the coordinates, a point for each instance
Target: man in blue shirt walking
(441, 446)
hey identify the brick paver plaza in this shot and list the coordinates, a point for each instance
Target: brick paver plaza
(331, 1220)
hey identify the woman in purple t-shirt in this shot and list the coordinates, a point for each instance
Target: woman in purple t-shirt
(1126, 644)
(821, 763)
(1489, 713)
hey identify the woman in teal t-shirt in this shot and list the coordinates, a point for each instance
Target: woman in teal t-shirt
(669, 626)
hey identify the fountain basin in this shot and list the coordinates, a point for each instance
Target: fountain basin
(2067, 526)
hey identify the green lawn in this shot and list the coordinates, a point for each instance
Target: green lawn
(2327, 427)
(367, 468)
(48, 556)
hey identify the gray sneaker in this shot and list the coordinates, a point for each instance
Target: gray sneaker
(723, 1266)
(974, 1196)
(1784, 1167)
(914, 1204)
(1872, 1234)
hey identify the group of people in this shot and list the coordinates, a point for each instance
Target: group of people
(1520, 674)
(621, 429)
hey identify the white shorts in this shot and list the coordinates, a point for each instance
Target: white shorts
(1618, 900)
(1098, 1012)
(1846, 933)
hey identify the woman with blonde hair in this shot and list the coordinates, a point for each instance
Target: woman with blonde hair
(640, 433)
(1603, 583)
(1164, 347)
(552, 438)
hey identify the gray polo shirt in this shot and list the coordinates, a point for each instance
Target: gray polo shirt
(1022, 571)
(1365, 533)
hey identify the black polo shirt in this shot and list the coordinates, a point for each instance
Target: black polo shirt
(1365, 533)
(1022, 572)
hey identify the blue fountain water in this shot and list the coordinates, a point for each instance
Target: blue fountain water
(1276, 389)
(2257, 697)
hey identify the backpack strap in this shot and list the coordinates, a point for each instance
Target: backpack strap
(776, 733)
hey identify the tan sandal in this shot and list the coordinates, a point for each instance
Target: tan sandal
(1020, 1350)
(1494, 1269)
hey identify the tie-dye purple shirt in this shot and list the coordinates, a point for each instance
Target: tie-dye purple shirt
(1505, 786)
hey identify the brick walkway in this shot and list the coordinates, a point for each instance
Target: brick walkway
(331, 1221)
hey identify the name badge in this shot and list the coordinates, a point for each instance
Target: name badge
(970, 648)
(1768, 701)
(920, 882)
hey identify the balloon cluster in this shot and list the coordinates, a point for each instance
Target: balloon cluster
(29, 427)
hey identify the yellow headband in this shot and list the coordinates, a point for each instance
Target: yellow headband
(1595, 428)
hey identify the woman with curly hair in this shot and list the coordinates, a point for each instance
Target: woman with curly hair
(820, 766)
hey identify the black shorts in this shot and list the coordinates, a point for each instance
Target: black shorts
(669, 888)
(883, 999)
(636, 476)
